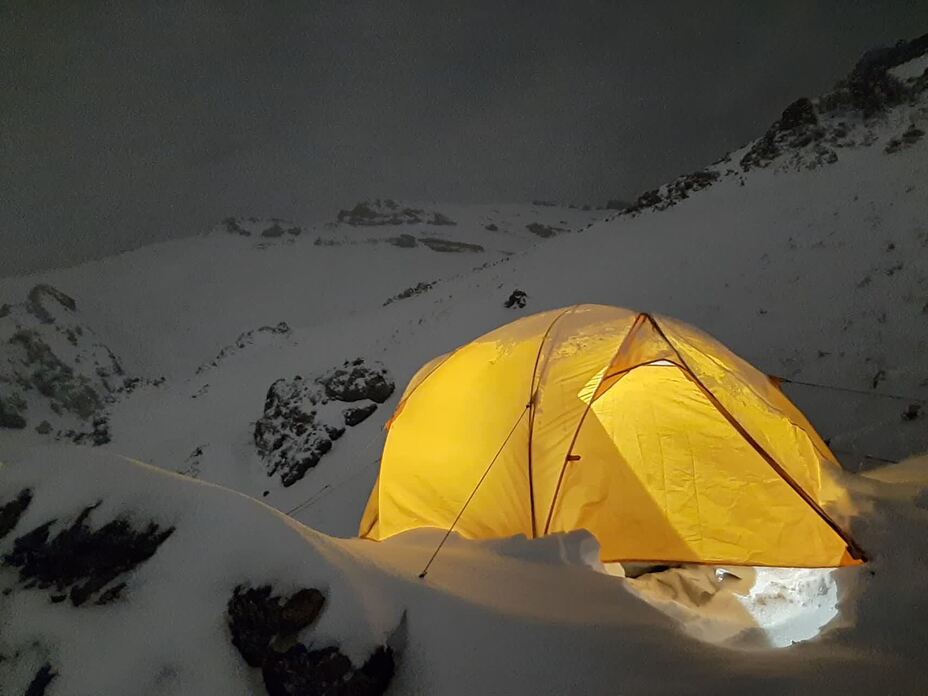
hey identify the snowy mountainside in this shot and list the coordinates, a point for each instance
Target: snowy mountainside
(805, 251)
(167, 308)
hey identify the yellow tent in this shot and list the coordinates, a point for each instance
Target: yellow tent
(643, 430)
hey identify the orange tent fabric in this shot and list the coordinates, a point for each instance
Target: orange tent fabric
(649, 433)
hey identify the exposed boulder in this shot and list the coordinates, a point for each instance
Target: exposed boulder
(50, 360)
(44, 300)
(302, 418)
(264, 629)
(416, 289)
(40, 683)
(908, 138)
(358, 414)
(356, 380)
(388, 212)
(544, 231)
(12, 408)
(13, 510)
(79, 562)
(450, 245)
(270, 228)
(517, 300)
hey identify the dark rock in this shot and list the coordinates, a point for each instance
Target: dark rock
(245, 339)
(911, 136)
(273, 231)
(233, 227)
(40, 295)
(544, 231)
(81, 559)
(405, 241)
(13, 510)
(326, 672)
(440, 219)
(449, 245)
(41, 680)
(491, 227)
(257, 619)
(357, 414)
(417, 289)
(11, 412)
(517, 299)
(797, 115)
(293, 434)
(911, 412)
(54, 379)
(355, 380)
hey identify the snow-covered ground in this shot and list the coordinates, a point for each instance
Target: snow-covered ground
(806, 252)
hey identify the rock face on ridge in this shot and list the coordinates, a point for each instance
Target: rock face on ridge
(303, 417)
(53, 369)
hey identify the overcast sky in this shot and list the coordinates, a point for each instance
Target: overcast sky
(127, 122)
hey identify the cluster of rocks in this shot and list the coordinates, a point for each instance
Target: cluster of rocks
(389, 212)
(53, 365)
(909, 137)
(674, 192)
(516, 300)
(84, 565)
(245, 339)
(544, 231)
(256, 227)
(302, 418)
(417, 289)
(809, 133)
(265, 628)
(78, 563)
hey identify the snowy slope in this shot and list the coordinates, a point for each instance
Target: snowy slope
(805, 251)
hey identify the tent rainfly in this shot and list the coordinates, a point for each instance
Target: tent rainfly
(639, 428)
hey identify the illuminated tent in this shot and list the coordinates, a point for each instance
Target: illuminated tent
(639, 428)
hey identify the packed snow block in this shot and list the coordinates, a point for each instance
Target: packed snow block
(82, 563)
(302, 418)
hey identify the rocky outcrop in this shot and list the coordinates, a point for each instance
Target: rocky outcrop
(270, 228)
(51, 361)
(81, 563)
(516, 300)
(303, 417)
(909, 137)
(544, 231)
(417, 289)
(388, 212)
(265, 629)
(246, 339)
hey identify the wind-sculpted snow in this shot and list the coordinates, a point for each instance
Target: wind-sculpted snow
(177, 588)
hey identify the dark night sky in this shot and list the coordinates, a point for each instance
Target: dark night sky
(127, 122)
